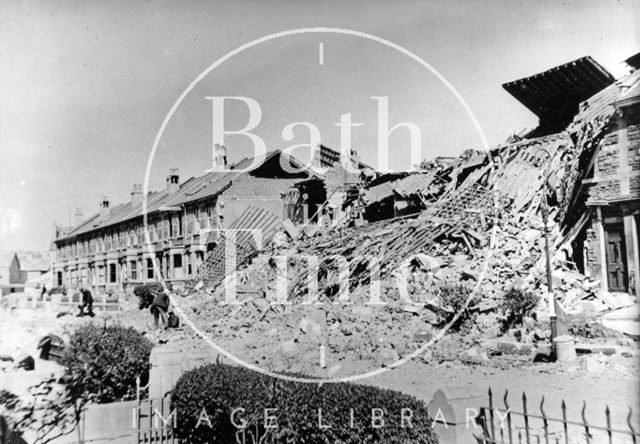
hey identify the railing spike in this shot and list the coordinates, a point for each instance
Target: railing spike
(607, 413)
(506, 402)
(564, 423)
(633, 432)
(584, 407)
(584, 421)
(542, 407)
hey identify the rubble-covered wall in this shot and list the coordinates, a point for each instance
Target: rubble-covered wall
(259, 192)
(592, 265)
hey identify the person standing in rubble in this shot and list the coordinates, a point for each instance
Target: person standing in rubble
(87, 301)
(159, 309)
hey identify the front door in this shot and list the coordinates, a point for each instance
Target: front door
(616, 258)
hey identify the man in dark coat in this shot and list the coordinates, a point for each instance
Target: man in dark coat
(159, 308)
(87, 301)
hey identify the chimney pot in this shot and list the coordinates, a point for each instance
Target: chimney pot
(104, 205)
(78, 216)
(173, 180)
(136, 193)
(219, 157)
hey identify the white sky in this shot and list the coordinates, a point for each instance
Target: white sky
(84, 86)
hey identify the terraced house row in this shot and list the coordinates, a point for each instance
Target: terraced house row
(107, 251)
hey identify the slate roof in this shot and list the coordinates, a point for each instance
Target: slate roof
(6, 258)
(193, 189)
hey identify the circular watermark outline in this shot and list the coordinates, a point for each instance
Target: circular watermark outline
(145, 190)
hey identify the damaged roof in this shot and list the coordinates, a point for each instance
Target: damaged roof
(554, 95)
(634, 61)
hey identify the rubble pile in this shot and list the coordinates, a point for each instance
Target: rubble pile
(480, 220)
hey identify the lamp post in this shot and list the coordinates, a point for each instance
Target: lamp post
(545, 219)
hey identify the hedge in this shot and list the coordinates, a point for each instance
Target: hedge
(206, 397)
(103, 362)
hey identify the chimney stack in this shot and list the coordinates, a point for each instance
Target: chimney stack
(173, 180)
(136, 193)
(219, 157)
(78, 216)
(104, 206)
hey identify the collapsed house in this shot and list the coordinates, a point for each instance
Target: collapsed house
(579, 170)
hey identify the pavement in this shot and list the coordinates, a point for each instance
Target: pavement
(625, 320)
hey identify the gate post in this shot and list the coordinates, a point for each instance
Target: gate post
(453, 411)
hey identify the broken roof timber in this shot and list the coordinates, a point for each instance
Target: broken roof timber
(634, 61)
(554, 95)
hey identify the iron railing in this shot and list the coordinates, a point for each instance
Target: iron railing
(506, 425)
(154, 420)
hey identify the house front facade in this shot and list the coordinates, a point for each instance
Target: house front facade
(109, 250)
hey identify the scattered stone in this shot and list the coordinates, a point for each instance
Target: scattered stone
(388, 356)
(467, 273)
(541, 335)
(413, 308)
(514, 348)
(25, 363)
(310, 327)
(346, 329)
(584, 349)
(429, 317)
(543, 353)
(473, 356)
(422, 336)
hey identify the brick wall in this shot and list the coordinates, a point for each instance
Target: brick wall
(607, 185)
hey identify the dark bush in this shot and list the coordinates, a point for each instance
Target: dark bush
(103, 362)
(58, 290)
(454, 297)
(516, 305)
(219, 389)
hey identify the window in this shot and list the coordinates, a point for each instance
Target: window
(178, 272)
(202, 219)
(134, 270)
(101, 276)
(176, 226)
(149, 268)
(187, 259)
(112, 273)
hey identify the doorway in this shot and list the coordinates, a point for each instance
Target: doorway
(616, 258)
